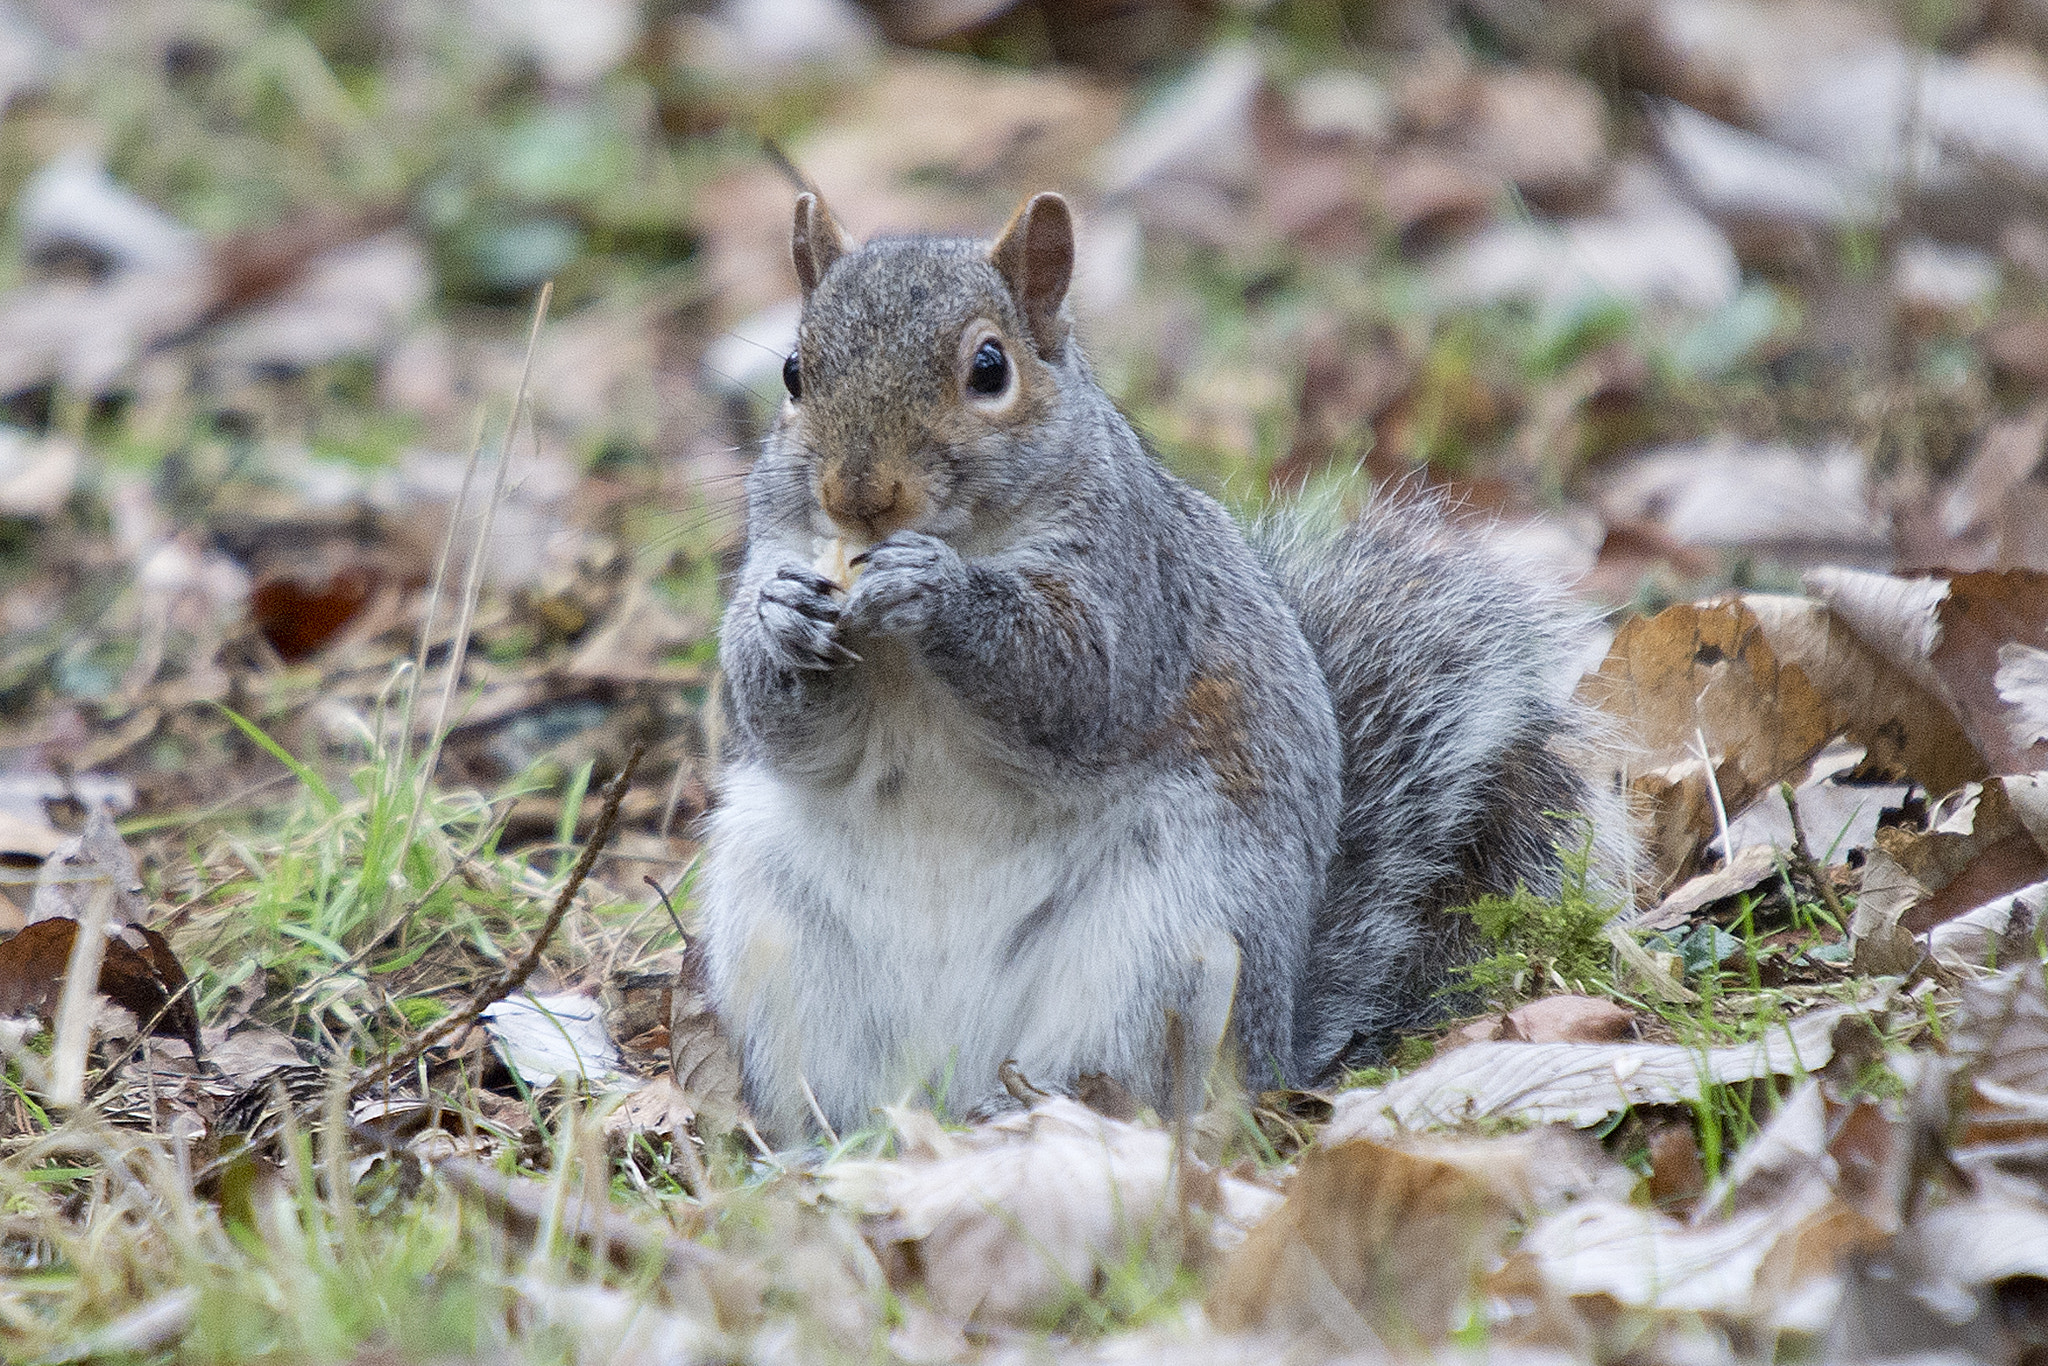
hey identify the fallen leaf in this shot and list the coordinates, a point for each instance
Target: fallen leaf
(545, 1038)
(1795, 505)
(1653, 250)
(1569, 1019)
(298, 618)
(2001, 930)
(96, 856)
(1370, 1238)
(1005, 1221)
(37, 476)
(1705, 671)
(1571, 1083)
(1737, 174)
(660, 1108)
(1992, 660)
(1903, 727)
(1881, 945)
(1749, 869)
(139, 973)
(701, 1059)
(2000, 1041)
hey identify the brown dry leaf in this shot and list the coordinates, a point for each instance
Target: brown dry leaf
(1002, 1223)
(2007, 456)
(1373, 1243)
(2001, 1038)
(138, 973)
(298, 617)
(1572, 1083)
(1992, 660)
(1750, 867)
(1882, 946)
(1709, 670)
(1569, 1019)
(660, 1108)
(1902, 726)
(1975, 849)
(701, 1059)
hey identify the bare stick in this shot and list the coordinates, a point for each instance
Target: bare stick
(1808, 866)
(514, 977)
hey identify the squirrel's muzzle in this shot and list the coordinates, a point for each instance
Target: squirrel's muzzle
(870, 500)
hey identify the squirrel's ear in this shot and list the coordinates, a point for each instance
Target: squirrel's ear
(1035, 255)
(815, 242)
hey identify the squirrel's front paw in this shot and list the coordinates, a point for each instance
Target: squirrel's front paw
(900, 583)
(799, 614)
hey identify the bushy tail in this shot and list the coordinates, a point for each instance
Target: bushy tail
(1451, 672)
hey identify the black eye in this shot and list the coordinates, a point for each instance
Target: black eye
(989, 371)
(793, 376)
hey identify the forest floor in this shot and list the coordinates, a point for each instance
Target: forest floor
(377, 378)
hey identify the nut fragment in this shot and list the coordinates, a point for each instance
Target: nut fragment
(834, 560)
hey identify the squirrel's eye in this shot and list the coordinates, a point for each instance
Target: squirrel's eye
(989, 371)
(793, 376)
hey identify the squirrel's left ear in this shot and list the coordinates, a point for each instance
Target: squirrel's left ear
(1035, 255)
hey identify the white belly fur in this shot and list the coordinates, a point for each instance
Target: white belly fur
(860, 944)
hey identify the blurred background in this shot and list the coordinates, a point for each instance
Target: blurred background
(1674, 295)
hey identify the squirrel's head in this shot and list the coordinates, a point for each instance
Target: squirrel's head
(920, 362)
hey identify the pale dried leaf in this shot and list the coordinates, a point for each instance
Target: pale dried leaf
(1990, 660)
(1749, 869)
(1643, 1259)
(1737, 174)
(544, 1038)
(1977, 1241)
(2022, 683)
(1885, 708)
(37, 476)
(1895, 617)
(2001, 930)
(1014, 1216)
(1661, 253)
(96, 856)
(661, 1108)
(1572, 1083)
(1723, 491)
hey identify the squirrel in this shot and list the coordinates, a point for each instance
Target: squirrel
(1039, 766)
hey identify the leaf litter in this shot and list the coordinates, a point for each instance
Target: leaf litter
(1773, 404)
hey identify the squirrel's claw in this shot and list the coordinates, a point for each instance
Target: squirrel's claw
(800, 621)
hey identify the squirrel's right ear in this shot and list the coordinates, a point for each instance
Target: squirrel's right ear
(815, 242)
(1035, 255)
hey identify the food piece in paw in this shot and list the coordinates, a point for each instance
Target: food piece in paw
(834, 560)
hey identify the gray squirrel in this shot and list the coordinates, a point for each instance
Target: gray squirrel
(1035, 760)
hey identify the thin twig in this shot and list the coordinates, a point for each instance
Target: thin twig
(513, 978)
(1809, 867)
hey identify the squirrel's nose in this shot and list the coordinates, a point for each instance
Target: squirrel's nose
(871, 502)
